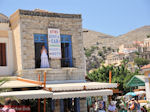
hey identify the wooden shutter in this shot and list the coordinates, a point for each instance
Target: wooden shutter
(2, 54)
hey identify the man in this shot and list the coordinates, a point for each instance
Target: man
(7, 106)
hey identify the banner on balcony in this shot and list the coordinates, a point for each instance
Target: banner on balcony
(54, 43)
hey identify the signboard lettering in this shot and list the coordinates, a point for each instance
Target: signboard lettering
(54, 43)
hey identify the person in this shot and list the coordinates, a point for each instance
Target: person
(101, 107)
(7, 106)
(112, 107)
(44, 58)
(138, 107)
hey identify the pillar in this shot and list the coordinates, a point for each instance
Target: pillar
(77, 104)
(61, 105)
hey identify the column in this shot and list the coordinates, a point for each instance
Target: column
(77, 104)
(61, 105)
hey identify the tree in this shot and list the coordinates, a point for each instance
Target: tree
(141, 61)
(120, 75)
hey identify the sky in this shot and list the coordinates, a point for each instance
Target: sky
(113, 17)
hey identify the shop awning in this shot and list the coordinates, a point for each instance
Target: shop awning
(37, 94)
(17, 84)
(77, 94)
(137, 80)
(30, 94)
(80, 86)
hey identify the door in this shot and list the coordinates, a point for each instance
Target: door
(38, 47)
(66, 48)
(39, 41)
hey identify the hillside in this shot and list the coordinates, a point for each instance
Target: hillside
(137, 34)
(91, 38)
(98, 45)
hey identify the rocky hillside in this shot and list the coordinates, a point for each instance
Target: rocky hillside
(137, 34)
(91, 38)
(98, 45)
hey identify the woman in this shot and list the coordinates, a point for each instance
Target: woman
(44, 58)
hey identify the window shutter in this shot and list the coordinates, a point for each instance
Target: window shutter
(2, 54)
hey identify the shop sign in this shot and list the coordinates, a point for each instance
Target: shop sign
(54, 43)
(20, 108)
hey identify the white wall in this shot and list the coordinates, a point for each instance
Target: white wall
(10, 55)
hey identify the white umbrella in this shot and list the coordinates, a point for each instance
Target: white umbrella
(140, 92)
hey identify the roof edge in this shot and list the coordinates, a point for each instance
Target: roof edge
(48, 14)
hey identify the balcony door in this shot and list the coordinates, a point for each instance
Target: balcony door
(39, 41)
(66, 49)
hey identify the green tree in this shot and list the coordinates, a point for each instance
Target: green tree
(141, 61)
(120, 75)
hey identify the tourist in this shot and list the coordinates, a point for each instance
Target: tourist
(7, 106)
(101, 107)
(112, 107)
(44, 58)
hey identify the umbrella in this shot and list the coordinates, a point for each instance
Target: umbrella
(130, 94)
(140, 92)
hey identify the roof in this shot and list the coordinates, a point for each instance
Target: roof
(137, 80)
(44, 13)
(80, 86)
(17, 84)
(146, 66)
(3, 18)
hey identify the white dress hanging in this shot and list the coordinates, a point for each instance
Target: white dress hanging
(44, 59)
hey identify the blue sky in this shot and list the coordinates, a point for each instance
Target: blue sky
(113, 17)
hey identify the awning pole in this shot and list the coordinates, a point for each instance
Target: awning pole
(110, 75)
(39, 99)
(44, 88)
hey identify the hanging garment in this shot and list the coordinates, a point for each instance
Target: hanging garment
(44, 60)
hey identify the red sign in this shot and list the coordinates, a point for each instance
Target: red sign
(21, 108)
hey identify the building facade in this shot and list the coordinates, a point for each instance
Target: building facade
(30, 30)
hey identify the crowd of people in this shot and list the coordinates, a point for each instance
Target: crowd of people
(100, 106)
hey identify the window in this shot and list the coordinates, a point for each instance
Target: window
(2, 54)
(66, 49)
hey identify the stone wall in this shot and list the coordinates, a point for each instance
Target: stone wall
(29, 24)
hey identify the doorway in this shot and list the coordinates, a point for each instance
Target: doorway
(66, 49)
(38, 47)
(39, 41)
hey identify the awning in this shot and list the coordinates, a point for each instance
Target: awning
(80, 86)
(37, 94)
(137, 80)
(17, 84)
(77, 94)
(30, 94)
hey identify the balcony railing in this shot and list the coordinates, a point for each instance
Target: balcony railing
(67, 62)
